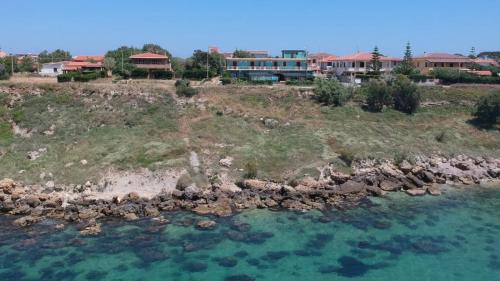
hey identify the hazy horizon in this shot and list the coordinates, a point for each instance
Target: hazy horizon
(92, 27)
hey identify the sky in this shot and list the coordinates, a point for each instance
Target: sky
(181, 26)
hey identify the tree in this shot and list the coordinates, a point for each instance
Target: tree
(55, 56)
(109, 64)
(196, 65)
(472, 53)
(330, 92)
(156, 49)
(406, 67)
(406, 95)
(490, 55)
(4, 74)
(379, 95)
(375, 64)
(488, 109)
(26, 65)
(121, 56)
(178, 66)
(242, 54)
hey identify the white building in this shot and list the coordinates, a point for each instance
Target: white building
(52, 69)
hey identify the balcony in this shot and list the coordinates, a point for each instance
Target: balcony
(154, 66)
(269, 68)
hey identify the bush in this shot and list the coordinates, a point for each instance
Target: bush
(330, 92)
(85, 77)
(139, 73)
(162, 74)
(417, 77)
(226, 81)
(4, 74)
(125, 74)
(250, 170)
(488, 109)
(260, 82)
(406, 95)
(182, 89)
(451, 76)
(195, 73)
(378, 95)
(66, 77)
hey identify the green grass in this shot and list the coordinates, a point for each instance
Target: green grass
(123, 132)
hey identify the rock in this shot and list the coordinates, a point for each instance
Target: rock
(374, 190)
(494, 172)
(7, 185)
(390, 185)
(434, 190)
(130, 216)
(221, 208)
(50, 184)
(60, 226)
(351, 187)
(33, 155)
(87, 214)
(416, 192)
(132, 196)
(151, 211)
(271, 123)
(466, 180)
(339, 177)
(415, 180)
(33, 201)
(270, 203)
(88, 184)
(206, 224)
(91, 230)
(405, 166)
(84, 162)
(427, 176)
(26, 221)
(226, 162)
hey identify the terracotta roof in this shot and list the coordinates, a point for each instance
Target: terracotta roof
(443, 57)
(486, 61)
(481, 72)
(89, 58)
(320, 56)
(362, 57)
(148, 56)
(77, 65)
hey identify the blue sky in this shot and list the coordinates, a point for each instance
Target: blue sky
(338, 27)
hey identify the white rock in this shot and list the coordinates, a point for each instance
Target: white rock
(50, 184)
(226, 162)
(84, 162)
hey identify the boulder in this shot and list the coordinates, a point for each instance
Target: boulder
(390, 185)
(33, 201)
(375, 191)
(226, 162)
(271, 123)
(434, 190)
(87, 214)
(427, 176)
(405, 166)
(339, 177)
(151, 211)
(416, 192)
(351, 187)
(26, 221)
(7, 185)
(221, 208)
(206, 224)
(415, 180)
(91, 230)
(132, 196)
(130, 216)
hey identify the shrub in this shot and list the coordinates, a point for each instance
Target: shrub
(182, 89)
(378, 95)
(85, 77)
(125, 74)
(195, 73)
(226, 81)
(162, 74)
(66, 77)
(441, 137)
(299, 82)
(4, 74)
(250, 170)
(139, 73)
(346, 155)
(451, 76)
(406, 95)
(330, 92)
(260, 82)
(488, 109)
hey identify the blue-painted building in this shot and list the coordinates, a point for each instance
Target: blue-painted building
(292, 65)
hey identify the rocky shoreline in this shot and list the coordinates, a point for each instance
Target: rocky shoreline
(332, 189)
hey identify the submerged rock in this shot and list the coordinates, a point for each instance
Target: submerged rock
(206, 224)
(416, 192)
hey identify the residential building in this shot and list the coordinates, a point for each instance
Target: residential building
(33, 57)
(52, 68)
(292, 65)
(84, 63)
(359, 63)
(317, 61)
(427, 62)
(3, 54)
(151, 61)
(486, 62)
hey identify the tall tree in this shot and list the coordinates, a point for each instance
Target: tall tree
(196, 66)
(406, 67)
(26, 65)
(121, 57)
(109, 64)
(375, 64)
(472, 53)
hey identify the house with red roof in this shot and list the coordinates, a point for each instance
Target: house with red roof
(318, 62)
(84, 63)
(151, 61)
(427, 62)
(359, 63)
(486, 62)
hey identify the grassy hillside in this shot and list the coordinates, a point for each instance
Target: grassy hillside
(159, 131)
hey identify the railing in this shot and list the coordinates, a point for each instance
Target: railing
(277, 68)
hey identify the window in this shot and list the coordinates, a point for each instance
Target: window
(297, 64)
(314, 60)
(329, 63)
(284, 64)
(55, 69)
(252, 64)
(353, 64)
(362, 64)
(275, 64)
(235, 64)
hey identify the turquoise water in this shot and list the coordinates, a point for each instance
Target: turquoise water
(451, 237)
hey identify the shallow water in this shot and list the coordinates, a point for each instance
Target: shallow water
(451, 237)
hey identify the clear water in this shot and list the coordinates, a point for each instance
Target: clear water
(452, 237)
